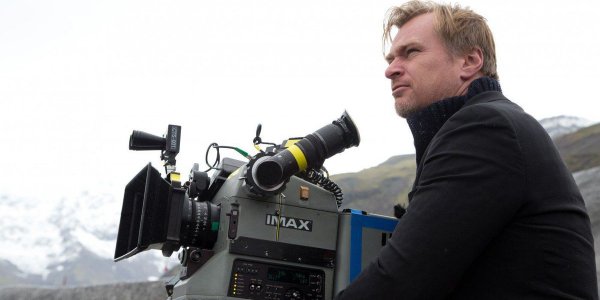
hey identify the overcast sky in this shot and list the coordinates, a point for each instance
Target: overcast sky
(76, 77)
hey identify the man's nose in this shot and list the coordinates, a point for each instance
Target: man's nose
(394, 69)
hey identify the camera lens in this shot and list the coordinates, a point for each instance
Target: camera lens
(199, 224)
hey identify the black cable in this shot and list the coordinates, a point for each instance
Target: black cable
(323, 181)
(218, 157)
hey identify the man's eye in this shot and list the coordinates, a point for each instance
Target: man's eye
(411, 51)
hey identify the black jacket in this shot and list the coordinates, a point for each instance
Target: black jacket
(494, 214)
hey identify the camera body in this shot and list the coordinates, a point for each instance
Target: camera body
(247, 239)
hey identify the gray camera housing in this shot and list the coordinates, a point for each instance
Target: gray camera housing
(293, 245)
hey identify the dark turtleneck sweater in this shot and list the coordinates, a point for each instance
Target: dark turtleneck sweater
(425, 123)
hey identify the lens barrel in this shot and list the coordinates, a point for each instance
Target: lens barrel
(199, 224)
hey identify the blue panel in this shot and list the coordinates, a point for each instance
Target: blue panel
(358, 221)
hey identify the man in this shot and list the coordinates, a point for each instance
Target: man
(493, 213)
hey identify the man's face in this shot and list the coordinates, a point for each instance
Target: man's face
(421, 69)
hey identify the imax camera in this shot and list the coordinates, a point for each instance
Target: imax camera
(266, 227)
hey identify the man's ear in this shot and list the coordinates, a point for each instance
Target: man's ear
(472, 63)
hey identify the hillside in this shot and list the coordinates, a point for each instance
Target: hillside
(581, 149)
(376, 189)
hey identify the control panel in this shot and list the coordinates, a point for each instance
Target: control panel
(259, 280)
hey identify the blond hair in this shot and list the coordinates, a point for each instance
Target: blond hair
(461, 29)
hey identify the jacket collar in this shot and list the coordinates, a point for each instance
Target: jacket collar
(425, 123)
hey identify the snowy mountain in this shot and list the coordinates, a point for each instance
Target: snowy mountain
(561, 125)
(67, 242)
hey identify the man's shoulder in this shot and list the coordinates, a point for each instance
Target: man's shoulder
(486, 108)
(491, 99)
(495, 107)
(495, 111)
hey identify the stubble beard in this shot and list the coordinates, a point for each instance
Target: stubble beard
(405, 107)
